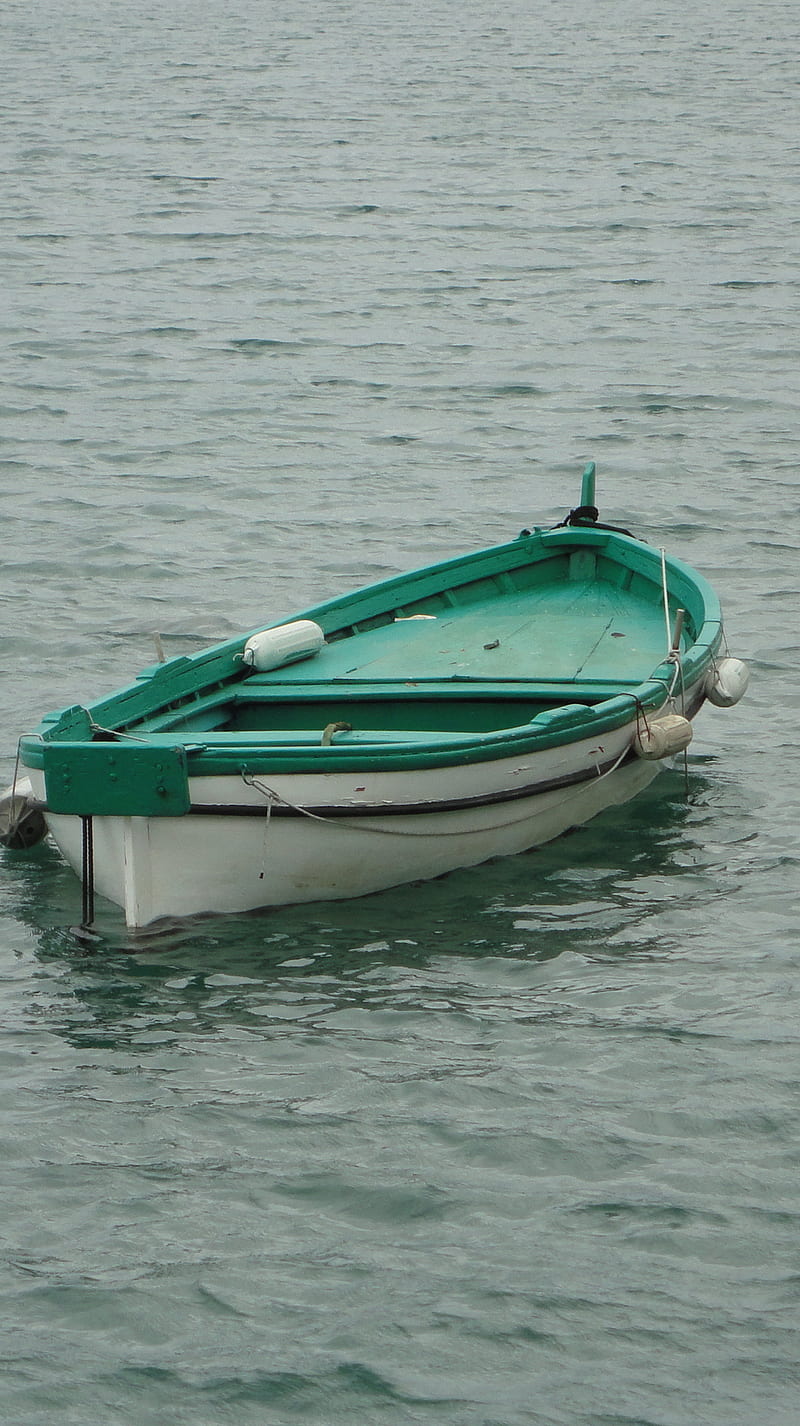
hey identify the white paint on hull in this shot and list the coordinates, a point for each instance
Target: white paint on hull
(157, 867)
(435, 784)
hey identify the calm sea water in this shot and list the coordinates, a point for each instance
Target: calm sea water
(299, 296)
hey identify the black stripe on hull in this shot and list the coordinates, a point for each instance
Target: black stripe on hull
(352, 810)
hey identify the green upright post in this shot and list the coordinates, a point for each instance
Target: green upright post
(587, 488)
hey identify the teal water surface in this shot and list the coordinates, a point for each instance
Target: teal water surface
(297, 298)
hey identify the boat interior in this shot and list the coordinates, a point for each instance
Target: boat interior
(470, 660)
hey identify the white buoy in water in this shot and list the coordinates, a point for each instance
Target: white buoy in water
(288, 643)
(663, 737)
(726, 682)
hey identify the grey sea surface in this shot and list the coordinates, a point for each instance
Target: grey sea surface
(299, 296)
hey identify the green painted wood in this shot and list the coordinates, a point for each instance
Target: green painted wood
(116, 779)
(587, 484)
(571, 629)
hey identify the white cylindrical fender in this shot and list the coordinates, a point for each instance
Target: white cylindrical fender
(288, 643)
(663, 737)
(726, 682)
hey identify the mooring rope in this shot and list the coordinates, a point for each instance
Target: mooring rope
(276, 798)
(666, 598)
(16, 771)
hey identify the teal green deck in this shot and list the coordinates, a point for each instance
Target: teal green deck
(578, 642)
(561, 633)
(554, 637)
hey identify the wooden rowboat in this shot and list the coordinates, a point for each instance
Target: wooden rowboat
(432, 721)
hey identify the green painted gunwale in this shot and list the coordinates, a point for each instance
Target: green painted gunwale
(181, 688)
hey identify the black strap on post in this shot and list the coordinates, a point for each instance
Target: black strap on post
(584, 517)
(87, 873)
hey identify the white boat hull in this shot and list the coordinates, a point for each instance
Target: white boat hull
(264, 850)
